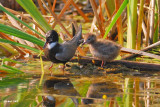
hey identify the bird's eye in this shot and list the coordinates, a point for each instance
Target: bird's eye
(89, 38)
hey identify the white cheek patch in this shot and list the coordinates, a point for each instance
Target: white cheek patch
(51, 45)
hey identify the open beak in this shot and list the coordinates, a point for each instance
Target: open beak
(45, 45)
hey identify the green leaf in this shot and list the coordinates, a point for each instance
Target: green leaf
(26, 98)
(7, 70)
(20, 34)
(119, 12)
(156, 21)
(9, 13)
(12, 70)
(20, 45)
(30, 7)
(11, 81)
(10, 60)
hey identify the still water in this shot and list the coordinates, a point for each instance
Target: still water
(79, 88)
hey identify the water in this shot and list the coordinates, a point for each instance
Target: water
(78, 87)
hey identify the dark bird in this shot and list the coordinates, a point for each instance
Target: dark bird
(61, 52)
(58, 86)
(104, 50)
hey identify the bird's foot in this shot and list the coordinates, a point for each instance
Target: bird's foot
(100, 68)
(93, 61)
(50, 69)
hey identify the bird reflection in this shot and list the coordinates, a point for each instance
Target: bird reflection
(96, 92)
(58, 86)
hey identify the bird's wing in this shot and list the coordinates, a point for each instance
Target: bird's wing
(66, 53)
(107, 48)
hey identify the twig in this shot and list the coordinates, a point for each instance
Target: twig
(119, 24)
(145, 49)
(56, 19)
(130, 64)
(41, 7)
(140, 19)
(25, 17)
(49, 3)
(97, 17)
(139, 52)
(4, 36)
(148, 27)
(151, 31)
(144, 28)
(67, 4)
(80, 11)
(107, 11)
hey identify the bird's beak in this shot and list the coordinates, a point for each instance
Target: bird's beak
(84, 43)
(45, 45)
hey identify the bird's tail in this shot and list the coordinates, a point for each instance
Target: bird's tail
(78, 36)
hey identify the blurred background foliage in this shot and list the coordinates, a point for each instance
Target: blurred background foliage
(132, 23)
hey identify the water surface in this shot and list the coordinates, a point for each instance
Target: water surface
(80, 86)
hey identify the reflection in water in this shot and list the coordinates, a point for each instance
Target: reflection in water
(58, 86)
(97, 91)
(7, 102)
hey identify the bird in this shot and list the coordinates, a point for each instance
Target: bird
(104, 50)
(98, 90)
(61, 52)
(58, 86)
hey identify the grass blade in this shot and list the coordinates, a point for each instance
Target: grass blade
(25, 24)
(119, 12)
(20, 34)
(20, 45)
(11, 69)
(30, 7)
(10, 60)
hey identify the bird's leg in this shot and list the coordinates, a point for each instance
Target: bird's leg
(51, 68)
(100, 68)
(103, 63)
(78, 57)
(63, 68)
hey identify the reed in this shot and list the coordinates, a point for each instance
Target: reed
(119, 24)
(132, 24)
(151, 20)
(140, 18)
(156, 22)
(128, 89)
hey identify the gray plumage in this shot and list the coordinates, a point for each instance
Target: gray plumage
(104, 50)
(68, 48)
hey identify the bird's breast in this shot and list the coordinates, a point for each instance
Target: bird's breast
(51, 45)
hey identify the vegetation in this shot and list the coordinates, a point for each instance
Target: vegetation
(138, 35)
(132, 23)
